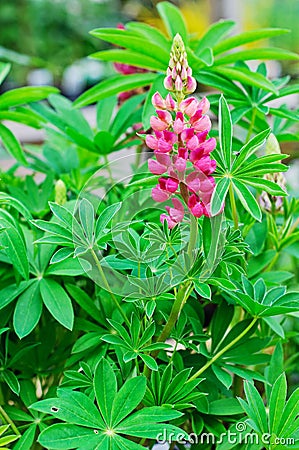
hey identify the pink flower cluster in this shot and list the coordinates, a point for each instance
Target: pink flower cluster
(182, 155)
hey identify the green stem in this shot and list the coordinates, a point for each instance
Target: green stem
(251, 126)
(233, 206)
(9, 421)
(224, 350)
(138, 155)
(109, 170)
(193, 236)
(272, 263)
(107, 287)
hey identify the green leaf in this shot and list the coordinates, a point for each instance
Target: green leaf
(86, 214)
(247, 199)
(124, 115)
(4, 71)
(104, 142)
(151, 33)
(114, 85)
(223, 376)
(66, 436)
(225, 407)
(25, 95)
(173, 20)
(135, 59)
(214, 34)
(222, 83)
(133, 42)
(277, 403)
(149, 361)
(128, 398)
(16, 204)
(225, 132)
(11, 380)
(105, 110)
(265, 185)
(257, 54)
(105, 387)
(73, 407)
(26, 440)
(84, 301)
(246, 77)
(203, 289)
(28, 310)
(246, 37)
(10, 293)
(16, 250)
(69, 267)
(104, 218)
(57, 302)
(289, 414)
(219, 195)
(257, 407)
(250, 147)
(12, 145)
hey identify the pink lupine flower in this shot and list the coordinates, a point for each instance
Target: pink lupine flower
(181, 145)
(158, 102)
(195, 206)
(159, 165)
(159, 195)
(169, 185)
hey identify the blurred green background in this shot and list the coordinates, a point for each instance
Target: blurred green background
(48, 40)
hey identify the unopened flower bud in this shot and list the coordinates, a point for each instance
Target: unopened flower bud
(179, 78)
(60, 193)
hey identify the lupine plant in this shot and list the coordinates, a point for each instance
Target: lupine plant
(160, 303)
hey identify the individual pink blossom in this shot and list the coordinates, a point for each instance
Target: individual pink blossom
(159, 165)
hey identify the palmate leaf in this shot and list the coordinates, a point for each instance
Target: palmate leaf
(243, 170)
(260, 302)
(89, 426)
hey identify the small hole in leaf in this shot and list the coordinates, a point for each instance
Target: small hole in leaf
(95, 431)
(54, 409)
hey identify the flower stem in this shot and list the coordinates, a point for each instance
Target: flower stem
(9, 421)
(233, 206)
(107, 287)
(251, 126)
(109, 169)
(224, 350)
(138, 155)
(193, 236)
